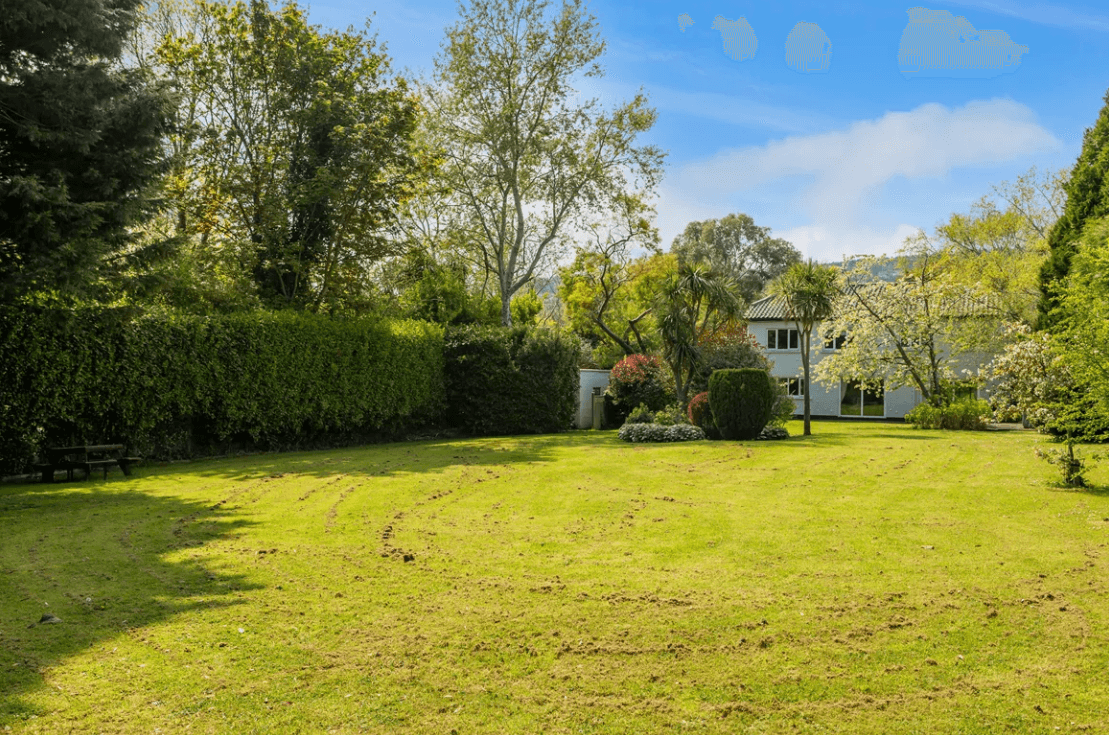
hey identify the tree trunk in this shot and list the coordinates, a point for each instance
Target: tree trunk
(506, 310)
(806, 342)
(679, 385)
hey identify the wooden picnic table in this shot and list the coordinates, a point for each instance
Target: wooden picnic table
(86, 457)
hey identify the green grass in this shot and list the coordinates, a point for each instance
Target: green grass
(870, 579)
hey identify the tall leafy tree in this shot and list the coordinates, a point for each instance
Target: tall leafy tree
(1087, 199)
(597, 287)
(737, 248)
(298, 150)
(809, 291)
(80, 145)
(1000, 246)
(693, 303)
(526, 160)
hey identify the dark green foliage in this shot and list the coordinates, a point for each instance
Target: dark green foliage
(1087, 199)
(1078, 416)
(726, 354)
(637, 380)
(173, 385)
(742, 401)
(965, 415)
(436, 291)
(510, 380)
(737, 248)
(80, 146)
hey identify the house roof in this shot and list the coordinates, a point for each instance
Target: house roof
(773, 308)
(768, 309)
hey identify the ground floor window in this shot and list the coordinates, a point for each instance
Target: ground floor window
(794, 386)
(857, 401)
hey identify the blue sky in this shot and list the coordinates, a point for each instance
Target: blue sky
(842, 160)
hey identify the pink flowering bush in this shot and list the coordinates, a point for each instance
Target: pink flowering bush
(635, 380)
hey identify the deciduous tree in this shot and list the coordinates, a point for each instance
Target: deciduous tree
(526, 160)
(999, 247)
(909, 332)
(738, 249)
(298, 150)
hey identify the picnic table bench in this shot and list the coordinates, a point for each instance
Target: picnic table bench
(85, 457)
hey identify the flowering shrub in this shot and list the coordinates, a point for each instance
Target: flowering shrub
(700, 414)
(635, 380)
(638, 433)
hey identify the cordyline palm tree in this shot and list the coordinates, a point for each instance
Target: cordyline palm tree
(694, 302)
(809, 290)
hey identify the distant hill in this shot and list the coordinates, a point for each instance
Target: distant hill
(885, 269)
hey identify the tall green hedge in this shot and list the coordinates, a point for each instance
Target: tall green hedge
(510, 381)
(165, 383)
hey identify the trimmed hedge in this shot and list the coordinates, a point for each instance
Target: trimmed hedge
(960, 415)
(641, 433)
(177, 385)
(742, 401)
(510, 381)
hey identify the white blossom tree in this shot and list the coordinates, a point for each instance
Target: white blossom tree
(912, 331)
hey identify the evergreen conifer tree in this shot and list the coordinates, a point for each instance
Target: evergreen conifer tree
(1087, 199)
(80, 144)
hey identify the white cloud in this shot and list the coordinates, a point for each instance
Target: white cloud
(849, 166)
(831, 245)
(833, 179)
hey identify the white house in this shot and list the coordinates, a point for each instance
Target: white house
(778, 336)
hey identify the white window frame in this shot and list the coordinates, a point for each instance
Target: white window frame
(794, 383)
(837, 343)
(793, 338)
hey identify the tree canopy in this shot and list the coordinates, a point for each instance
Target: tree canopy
(80, 146)
(525, 160)
(296, 151)
(1087, 193)
(738, 249)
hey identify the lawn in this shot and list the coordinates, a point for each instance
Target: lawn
(869, 579)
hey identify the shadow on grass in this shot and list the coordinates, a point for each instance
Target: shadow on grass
(94, 555)
(1099, 491)
(382, 460)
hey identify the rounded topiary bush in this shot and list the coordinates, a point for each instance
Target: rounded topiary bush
(742, 401)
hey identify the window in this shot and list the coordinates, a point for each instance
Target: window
(962, 391)
(782, 339)
(857, 401)
(795, 387)
(835, 344)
